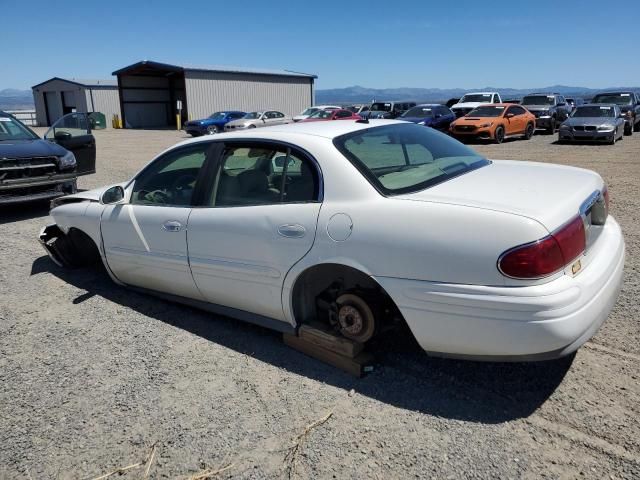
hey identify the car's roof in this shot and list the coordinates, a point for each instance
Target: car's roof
(429, 105)
(617, 92)
(478, 93)
(327, 130)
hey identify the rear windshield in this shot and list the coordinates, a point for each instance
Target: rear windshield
(477, 97)
(617, 98)
(486, 111)
(583, 112)
(11, 129)
(381, 107)
(538, 100)
(419, 112)
(407, 158)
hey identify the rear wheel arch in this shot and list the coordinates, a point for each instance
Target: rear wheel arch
(329, 282)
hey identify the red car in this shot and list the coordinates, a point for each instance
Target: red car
(324, 115)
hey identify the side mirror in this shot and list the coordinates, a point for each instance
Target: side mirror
(509, 115)
(438, 115)
(561, 104)
(112, 195)
(62, 135)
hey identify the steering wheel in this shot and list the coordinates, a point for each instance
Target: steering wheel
(155, 196)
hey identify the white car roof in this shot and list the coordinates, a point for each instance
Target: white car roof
(479, 93)
(329, 130)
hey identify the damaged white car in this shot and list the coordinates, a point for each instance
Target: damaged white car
(359, 225)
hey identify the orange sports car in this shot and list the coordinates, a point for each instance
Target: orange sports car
(495, 122)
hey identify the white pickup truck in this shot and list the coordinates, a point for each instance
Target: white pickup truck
(469, 101)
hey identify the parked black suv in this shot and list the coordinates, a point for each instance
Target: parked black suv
(388, 109)
(35, 169)
(550, 109)
(629, 103)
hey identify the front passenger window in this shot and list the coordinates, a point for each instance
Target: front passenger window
(171, 179)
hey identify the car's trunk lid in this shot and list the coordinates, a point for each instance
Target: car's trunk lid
(549, 194)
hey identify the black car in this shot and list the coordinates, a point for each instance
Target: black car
(550, 109)
(32, 168)
(387, 109)
(629, 103)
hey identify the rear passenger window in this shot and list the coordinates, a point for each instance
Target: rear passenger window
(263, 175)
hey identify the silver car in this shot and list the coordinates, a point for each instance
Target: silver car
(593, 122)
(258, 119)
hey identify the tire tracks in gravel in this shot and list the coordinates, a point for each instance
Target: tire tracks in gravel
(559, 426)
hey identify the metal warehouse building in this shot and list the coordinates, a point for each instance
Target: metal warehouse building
(150, 91)
(59, 96)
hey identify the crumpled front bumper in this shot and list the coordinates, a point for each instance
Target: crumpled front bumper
(51, 239)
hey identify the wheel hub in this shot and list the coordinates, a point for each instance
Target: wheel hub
(350, 319)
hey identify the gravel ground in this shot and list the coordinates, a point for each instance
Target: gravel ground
(93, 375)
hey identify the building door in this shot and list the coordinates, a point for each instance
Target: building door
(68, 102)
(53, 107)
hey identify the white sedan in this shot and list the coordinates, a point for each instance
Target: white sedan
(360, 224)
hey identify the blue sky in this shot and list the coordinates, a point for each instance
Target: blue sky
(379, 44)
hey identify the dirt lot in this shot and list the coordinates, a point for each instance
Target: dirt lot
(92, 375)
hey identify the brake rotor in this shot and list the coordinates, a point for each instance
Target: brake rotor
(355, 318)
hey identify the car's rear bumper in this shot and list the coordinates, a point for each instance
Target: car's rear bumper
(514, 323)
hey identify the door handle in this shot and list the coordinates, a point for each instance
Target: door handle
(292, 230)
(172, 226)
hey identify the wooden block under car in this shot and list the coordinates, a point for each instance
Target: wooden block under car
(325, 339)
(358, 366)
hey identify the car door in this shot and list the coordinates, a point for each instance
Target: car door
(145, 239)
(519, 119)
(258, 221)
(73, 132)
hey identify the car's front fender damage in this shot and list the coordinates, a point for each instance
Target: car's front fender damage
(72, 249)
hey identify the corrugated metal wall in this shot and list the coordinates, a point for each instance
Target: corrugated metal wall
(208, 92)
(105, 100)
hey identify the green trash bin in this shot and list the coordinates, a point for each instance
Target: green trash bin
(98, 121)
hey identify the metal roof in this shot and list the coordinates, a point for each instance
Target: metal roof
(148, 64)
(84, 82)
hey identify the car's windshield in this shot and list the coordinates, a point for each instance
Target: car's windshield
(11, 129)
(252, 115)
(309, 111)
(322, 114)
(617, 98)
(486, 111)
(476, 97)
(591, 111)
(407, 158)
(381, 107)
(418, 112)
(538, 100)
(218, 115)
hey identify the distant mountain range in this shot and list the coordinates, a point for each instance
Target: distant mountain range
(12, 99)
(359, 94)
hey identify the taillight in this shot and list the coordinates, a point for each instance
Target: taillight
(546, 256)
